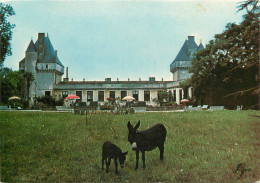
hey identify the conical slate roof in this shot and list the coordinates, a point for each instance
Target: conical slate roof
(201, 47)
(31, 47)
(186, 50)
(183, 53)
(49, 53)
(186, 53)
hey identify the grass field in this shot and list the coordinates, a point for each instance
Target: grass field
(200, 146)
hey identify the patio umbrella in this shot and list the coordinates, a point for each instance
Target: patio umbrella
(14, 98)
(128, 98)
(110, 99)
(71, 97)
(184, 101)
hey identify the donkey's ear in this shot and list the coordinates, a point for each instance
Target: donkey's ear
(125, 153)
(129, 125)
(137, 125)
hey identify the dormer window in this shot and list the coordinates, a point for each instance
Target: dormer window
(46, 66)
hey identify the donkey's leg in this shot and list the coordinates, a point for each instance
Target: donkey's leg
(137, 159)
(108, 163)
(161, 147)
(103, 159)
(143, 158)
(115, 161)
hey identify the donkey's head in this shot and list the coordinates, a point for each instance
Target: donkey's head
(132, 133)
(122, 158)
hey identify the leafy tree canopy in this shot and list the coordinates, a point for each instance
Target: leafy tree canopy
(6, 27)
(226, 72)
(11, 84)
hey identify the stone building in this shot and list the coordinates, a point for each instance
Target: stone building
(179, 67)
(41, 59)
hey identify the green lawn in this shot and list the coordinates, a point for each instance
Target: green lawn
(200, 147)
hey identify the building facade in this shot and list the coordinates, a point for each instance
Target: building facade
(41, 59)
(179, 67)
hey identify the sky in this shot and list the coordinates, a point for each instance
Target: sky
(115, 38)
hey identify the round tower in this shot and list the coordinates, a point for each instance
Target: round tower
(30, 66)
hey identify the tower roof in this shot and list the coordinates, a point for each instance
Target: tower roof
(201, 47)
(31, 47)
(49, 53)
(184, 53)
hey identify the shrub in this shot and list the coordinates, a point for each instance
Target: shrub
(169, 104)
(49, 101)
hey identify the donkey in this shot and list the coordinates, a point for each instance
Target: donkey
(111, 151)
(146, 140)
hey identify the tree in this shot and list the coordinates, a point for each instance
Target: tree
(5, 37)
(164, 96)
(15, 83)
(247, 4)
(28, 78)
(185, 86)
(11, 84)
(226, 72)
(5, 31)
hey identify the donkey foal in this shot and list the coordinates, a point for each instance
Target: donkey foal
(111, 151)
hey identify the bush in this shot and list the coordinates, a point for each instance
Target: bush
(49, 101)
(169, 104)
(106, 107)
(140, 104)
(59, 102)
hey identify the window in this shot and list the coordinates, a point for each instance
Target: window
(174, 95)
(146, 95)
(180, 92)
(47, 93)
(123, 94)
(47, 66)
(186, 93)
(135, 95)
(79, 94)
(101, 96)
(90, 96)
(64, 94)
(112, 94)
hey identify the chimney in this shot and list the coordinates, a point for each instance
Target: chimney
(108, 79)
(152, 79)
(191, 46)
(191, 38)
(67, 77)
(41, 45)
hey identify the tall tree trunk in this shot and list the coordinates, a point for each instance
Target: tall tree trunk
(25, 89)
(0, 85)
